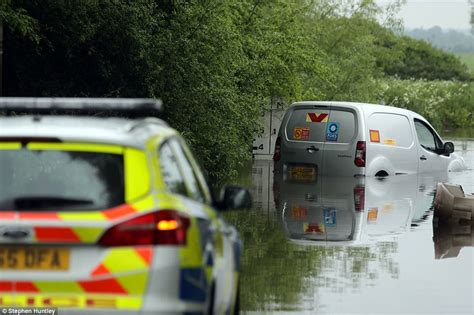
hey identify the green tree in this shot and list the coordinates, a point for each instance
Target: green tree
(199, 56)
(446, 104)
(412, 58)
(86, 48)
(17, 19)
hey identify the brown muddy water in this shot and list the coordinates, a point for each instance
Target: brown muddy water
(353, 246)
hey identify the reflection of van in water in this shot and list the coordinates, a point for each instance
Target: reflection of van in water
(355, 211)
(341, 138)
(329, 209)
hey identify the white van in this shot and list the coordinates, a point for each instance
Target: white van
(343, 138)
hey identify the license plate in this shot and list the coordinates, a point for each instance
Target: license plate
(34, 258)
(303, 173)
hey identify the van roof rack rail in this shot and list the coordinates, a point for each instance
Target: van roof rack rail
(75, 106)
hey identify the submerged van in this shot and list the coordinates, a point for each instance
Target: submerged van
(343, 138)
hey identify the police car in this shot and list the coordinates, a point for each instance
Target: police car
(109, 215)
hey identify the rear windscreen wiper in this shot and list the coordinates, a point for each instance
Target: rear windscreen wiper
(48, 202)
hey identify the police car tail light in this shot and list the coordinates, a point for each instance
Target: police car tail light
(171, 227)
(164, 227)
(276, 154)
(359, 160)
(359, 198)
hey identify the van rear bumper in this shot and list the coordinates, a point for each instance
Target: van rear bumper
(282, 168)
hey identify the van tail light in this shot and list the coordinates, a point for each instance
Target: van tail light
(359, 198)
(276, 154)
(359, 160)
(163, 227)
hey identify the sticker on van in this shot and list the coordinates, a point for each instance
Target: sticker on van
(301, 133)
(298, 212)
(372, 215)
(313, 228)
(389, 142)
(332, 131)
(374, 136)
(317, 118)
(388, 208)
(329, 217)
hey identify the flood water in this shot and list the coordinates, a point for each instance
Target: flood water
(352, 246)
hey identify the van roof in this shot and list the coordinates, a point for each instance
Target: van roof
(367, 108)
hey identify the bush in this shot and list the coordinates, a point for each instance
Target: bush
(446, 104)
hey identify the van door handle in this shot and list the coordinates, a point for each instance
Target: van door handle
(312, 149)
(423, 158)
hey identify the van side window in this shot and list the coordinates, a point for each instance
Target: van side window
(170, 171)
(426, 136)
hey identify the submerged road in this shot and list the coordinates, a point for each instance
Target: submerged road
(348, 246)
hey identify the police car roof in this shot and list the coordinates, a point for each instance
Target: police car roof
(119, 131)
(123, 121)
(109, 107)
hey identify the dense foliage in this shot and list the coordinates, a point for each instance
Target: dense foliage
(421, 61)
(216, 64)
(448, 105)
(468, 59)
(17, 19)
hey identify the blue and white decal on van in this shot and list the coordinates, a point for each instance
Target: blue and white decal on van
(330, 217)
(332, 131)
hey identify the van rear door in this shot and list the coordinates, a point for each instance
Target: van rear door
(305, 133)
(323, 137)
(340, 143)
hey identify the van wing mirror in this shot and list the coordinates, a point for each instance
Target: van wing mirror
(448, 148)
(234, 197)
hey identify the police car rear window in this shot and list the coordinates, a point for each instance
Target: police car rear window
(42, 180)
